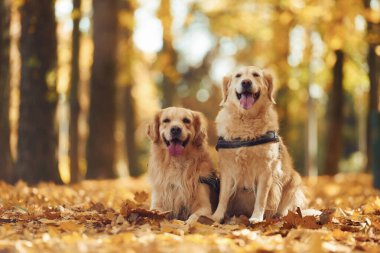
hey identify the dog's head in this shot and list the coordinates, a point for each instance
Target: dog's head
(177, 129)
(248, 87)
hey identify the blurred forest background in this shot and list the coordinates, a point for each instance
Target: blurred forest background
(79, 79)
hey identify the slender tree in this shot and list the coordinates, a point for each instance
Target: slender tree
(5, 153)
(101, 142)
(130, 130)
(373, 61)
(335, 117)
(74, 100)
(167, 57)
(279, 63)
(37, 138)
(128, 55)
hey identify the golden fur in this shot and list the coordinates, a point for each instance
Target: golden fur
(175, 179)
(254, 179)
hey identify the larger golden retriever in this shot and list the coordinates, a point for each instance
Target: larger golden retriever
(178, 161)
(257, 179)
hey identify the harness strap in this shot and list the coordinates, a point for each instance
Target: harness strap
(270, 136)
(212, 181)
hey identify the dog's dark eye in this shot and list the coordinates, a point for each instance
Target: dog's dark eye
(186, 121)
(166, 120)
(255, 74)
(238, 75)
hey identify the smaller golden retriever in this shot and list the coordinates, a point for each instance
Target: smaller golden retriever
(179, 164)
(256, 171)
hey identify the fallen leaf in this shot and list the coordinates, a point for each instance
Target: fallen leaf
(205, 220)
(293, 220)
(69, 226)
(326, 215)
(141, 197)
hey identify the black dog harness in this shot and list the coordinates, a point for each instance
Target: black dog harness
(212, 181)
(270, 136)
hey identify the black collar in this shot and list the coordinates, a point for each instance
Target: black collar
(270, 136)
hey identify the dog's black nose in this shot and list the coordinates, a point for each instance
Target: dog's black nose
(175, 131)
(246, 84)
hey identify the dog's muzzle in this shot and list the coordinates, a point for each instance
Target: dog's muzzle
(247, 97)
(175, 145)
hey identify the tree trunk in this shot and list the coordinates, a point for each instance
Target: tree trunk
(130, 130)
(126, 53)
(335, 118)
(5, 152)
(282, 68)
(101, 142)
(37, 138)
(74, 102)
(373, 60)
(283, 94)
(168, 57)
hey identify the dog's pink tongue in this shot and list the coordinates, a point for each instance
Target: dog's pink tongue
(175, 149)
(246, 101)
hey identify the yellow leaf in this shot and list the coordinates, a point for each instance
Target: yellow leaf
(69, 226)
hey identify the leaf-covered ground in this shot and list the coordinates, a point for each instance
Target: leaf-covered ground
(111, 216)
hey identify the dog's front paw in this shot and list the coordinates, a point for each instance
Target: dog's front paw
(217, 217)
(254, 220)
(192, 219)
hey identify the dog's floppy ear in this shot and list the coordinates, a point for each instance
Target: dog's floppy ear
(153, 128)
(269, 82)
(226, 84)
(200, 126)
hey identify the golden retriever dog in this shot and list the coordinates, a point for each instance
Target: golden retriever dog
(178, 162)
(259, 179)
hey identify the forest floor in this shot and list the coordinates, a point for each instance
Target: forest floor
(111, 216)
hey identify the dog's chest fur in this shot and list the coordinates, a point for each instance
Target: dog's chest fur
(246, 164)
(177, 184)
